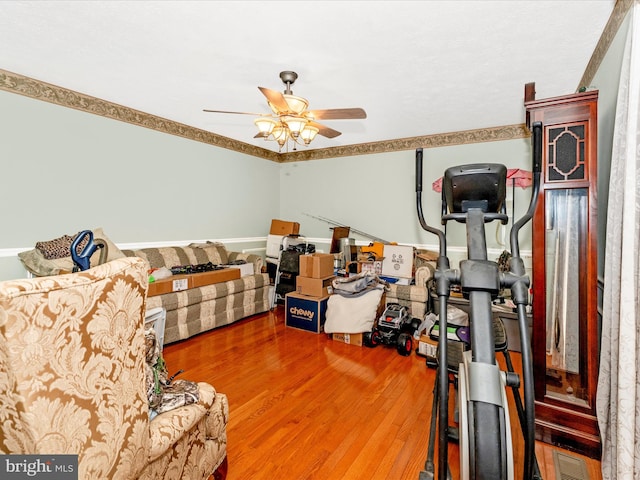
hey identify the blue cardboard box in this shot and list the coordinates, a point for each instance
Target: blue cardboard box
(305, 312)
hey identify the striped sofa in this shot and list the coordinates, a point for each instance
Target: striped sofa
(199, 309)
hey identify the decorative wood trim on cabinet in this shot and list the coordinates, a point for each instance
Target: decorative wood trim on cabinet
(565, 278)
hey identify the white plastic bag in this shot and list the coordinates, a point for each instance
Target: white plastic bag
(352, 314)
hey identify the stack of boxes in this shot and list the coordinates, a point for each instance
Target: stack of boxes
(392, 261)
(306, 307)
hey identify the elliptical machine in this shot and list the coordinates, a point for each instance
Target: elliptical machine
(474, 195)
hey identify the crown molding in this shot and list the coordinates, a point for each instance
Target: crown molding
(481, 135)
(36, 89)
(618, 15)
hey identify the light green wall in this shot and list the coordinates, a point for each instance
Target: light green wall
(64, 170)
(375, 194)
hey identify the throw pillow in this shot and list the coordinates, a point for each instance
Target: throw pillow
(36, 263)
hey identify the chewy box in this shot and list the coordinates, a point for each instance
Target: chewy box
(305, 313)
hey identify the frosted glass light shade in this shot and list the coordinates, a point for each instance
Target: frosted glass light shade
(265, 125)
(280, 134)
(297, 105)
(295, 124)
(308, 133)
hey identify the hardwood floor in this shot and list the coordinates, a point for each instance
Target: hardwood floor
(303, 406)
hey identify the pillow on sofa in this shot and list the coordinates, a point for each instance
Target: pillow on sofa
(193, 254)
(216, 252)
(36, 263)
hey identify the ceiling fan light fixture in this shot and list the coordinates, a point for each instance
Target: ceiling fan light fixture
(280, 134)
(290, 123)
(265, 125)
(308, 133)
(296, 105)
(295, 124)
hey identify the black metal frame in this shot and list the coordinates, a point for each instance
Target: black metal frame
(481, 280)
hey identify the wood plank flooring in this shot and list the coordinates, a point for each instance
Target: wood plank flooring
(303, 406)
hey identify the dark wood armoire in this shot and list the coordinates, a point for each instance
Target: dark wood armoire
(565, 336)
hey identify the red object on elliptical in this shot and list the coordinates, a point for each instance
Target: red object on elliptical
(519, 178)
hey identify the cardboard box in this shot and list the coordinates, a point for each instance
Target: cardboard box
(427, 347)
(215, 276)
(245, 269)
(398, 261)
(177, 283)
(314, 287)
(371, 267)
(280, 227)
(305, 313)
(348, 338)
(376, 249)
(316, 265)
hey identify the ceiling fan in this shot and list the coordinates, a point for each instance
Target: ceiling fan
(290, 120)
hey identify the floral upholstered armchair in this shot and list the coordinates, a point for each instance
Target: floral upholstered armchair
(72, 380)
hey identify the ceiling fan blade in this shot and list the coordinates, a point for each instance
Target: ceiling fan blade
(276, 99)
(237, 113)
(325, 131)
(339, 114)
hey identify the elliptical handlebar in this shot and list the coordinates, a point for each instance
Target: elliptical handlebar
(441, 237)
(537, 169)
(515, 230)
(488, 217)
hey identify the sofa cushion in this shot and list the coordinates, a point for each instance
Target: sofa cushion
(184, 298)
(414, 297)
(167, 428)
(185, 322)
(408, 292)
(194, 254)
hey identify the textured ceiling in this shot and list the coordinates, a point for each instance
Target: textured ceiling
(416, 67)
